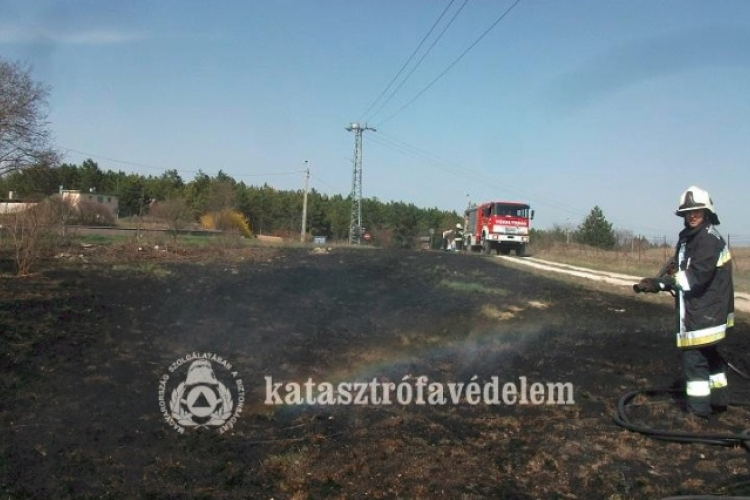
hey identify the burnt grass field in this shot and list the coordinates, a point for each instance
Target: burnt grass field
(84, 342)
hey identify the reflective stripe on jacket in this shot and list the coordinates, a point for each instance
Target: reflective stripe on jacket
(705, 292)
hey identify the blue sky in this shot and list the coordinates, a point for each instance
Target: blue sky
(563, 104)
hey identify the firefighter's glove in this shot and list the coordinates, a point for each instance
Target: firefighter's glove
(660, 284)
(665, 283)
(648, 285)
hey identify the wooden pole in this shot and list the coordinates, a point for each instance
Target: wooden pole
(639, 248)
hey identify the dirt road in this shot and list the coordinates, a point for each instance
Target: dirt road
(85, 402)
(742, 300)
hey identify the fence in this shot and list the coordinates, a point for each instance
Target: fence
(637, 259)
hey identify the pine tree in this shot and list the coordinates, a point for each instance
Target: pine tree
(596, 231)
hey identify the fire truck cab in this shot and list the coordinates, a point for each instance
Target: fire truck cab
(498, 225)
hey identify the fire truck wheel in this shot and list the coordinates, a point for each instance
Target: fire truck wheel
(486, 247)
(520, 250)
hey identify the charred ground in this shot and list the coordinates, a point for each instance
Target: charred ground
(83, 347)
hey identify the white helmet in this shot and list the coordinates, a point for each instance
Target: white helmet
(458, 226)
(696, 198)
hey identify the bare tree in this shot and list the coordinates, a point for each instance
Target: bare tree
(33, 232)
(624, 239)
(175, 213)
(24, 133)
(65, 211)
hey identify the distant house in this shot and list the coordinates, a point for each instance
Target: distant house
(75, 197)
(12, 204)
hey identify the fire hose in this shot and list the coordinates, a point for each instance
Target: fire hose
(719, 439)
(734, 439)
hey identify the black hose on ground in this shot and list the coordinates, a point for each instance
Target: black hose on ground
(732, 439)
(736, 370)
(735, 439)
(621, 419)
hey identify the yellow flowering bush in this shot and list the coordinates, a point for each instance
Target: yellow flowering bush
(227, 220)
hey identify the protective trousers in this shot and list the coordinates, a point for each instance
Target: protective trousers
(707, 390)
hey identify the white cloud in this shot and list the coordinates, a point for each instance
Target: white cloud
(15, 34)
(100, 37)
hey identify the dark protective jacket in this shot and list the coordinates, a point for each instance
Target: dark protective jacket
(705, 291)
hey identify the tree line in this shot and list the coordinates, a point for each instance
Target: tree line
(276, 212)
(270, 211)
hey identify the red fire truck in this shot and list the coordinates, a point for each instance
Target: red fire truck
(499, 225)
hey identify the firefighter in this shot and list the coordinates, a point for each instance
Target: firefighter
(704, 296)
(458, 238)
(447, 239)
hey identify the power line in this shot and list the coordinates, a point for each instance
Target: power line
(164, 169)
(407, 61)
(450, 66)
(325, 183)
(123, 162)
(429, 49)
(467, 173)
(485, 180)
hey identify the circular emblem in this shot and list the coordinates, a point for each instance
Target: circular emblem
(201, 392)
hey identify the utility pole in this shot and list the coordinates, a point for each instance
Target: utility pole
(304, 204)
(355, 221)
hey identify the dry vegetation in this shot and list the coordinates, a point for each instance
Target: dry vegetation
(28, 234)
(640, 262)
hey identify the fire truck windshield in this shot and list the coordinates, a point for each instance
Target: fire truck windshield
(511, 210)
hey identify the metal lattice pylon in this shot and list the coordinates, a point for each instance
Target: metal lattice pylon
(355, 221)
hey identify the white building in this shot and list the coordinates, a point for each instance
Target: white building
(75, 197)
(12, 205)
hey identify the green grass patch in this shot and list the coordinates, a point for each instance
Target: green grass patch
(100, 239)
(473, 287)
(194, 240)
